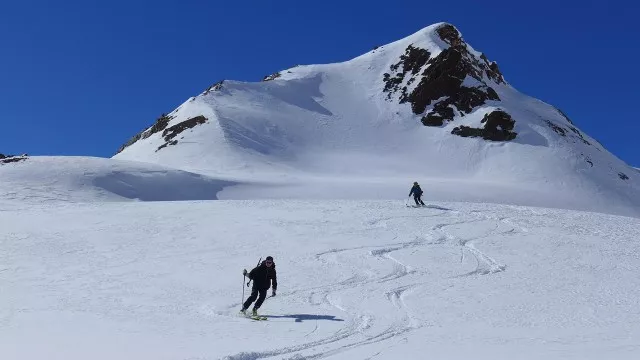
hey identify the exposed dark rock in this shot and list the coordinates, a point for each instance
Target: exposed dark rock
(433, 120)
(491, 69)
(564, 116)
(565, 131)
(623, 176)
(175, 130)
(498, 126)
(494, 72)
(471, 97)
(272, 76)
(558, 129)
(449, 34)
(577, 132)
(170, 133)
(215, 87)
(588, 160)
(6, 159)
(172, 142)
(572, 128)
(411, 62)
(160, 124)
(441, 112)
(441, 78)
(130, 142)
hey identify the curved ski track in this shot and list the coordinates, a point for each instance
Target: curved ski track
(362, 328)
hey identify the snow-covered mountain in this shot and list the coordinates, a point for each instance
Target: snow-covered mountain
(88, 272)
(428, 108)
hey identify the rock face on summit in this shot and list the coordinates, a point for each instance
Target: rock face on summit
(428, 105)
(452, 83)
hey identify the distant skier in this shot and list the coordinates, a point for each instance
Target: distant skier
(263, 276)
(416, 191)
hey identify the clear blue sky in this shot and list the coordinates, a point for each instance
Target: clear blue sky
(81, 77)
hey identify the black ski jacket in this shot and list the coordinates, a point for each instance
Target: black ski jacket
(261, 276)
(415, 191)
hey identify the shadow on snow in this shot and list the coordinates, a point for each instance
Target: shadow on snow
(303, 317)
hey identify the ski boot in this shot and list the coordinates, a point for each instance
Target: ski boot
(255, 316)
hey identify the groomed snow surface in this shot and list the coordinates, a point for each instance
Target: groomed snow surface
(357, 280)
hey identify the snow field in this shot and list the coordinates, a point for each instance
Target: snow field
(356, 280)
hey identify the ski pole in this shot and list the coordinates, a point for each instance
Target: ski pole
(244, 277)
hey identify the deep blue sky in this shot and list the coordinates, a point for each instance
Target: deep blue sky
(81, 77)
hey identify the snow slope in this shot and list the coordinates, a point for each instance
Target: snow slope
(357, 280)
(44, 179)
(338, 130)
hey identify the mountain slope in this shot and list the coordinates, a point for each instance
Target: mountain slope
(51, 179)
(357, 280)
(428, 107)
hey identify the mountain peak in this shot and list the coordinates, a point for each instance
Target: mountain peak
(427, 105)
(449, 79)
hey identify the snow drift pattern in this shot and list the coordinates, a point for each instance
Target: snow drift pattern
(83, 179)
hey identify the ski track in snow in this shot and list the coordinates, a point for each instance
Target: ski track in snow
(356, 280)
(350, 336)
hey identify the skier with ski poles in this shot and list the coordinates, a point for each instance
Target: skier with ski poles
(263, 277)
(416, 191)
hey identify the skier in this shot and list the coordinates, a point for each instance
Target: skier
(263, 276)
(416, 191)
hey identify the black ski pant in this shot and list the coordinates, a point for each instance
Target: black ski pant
(260, 294)
(417, 199)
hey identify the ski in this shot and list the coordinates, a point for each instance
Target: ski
(253, 317)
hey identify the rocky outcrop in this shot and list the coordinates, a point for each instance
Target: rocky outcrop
(455, 82)
(170, 133)
(271, 77)
(569, 132)
(477, 68)
(160, 124)
(167, 133)
(410, 62)
(564, 115)
(7, 159)
(215, 87)
(623, 176)
(498, 126)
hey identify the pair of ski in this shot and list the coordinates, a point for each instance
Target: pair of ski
(256, 318)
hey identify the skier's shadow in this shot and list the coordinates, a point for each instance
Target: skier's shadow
(430, 207)
(437, 207)
(303, 317)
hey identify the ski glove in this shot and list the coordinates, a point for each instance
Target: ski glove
(244, 272)
(273, 293)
